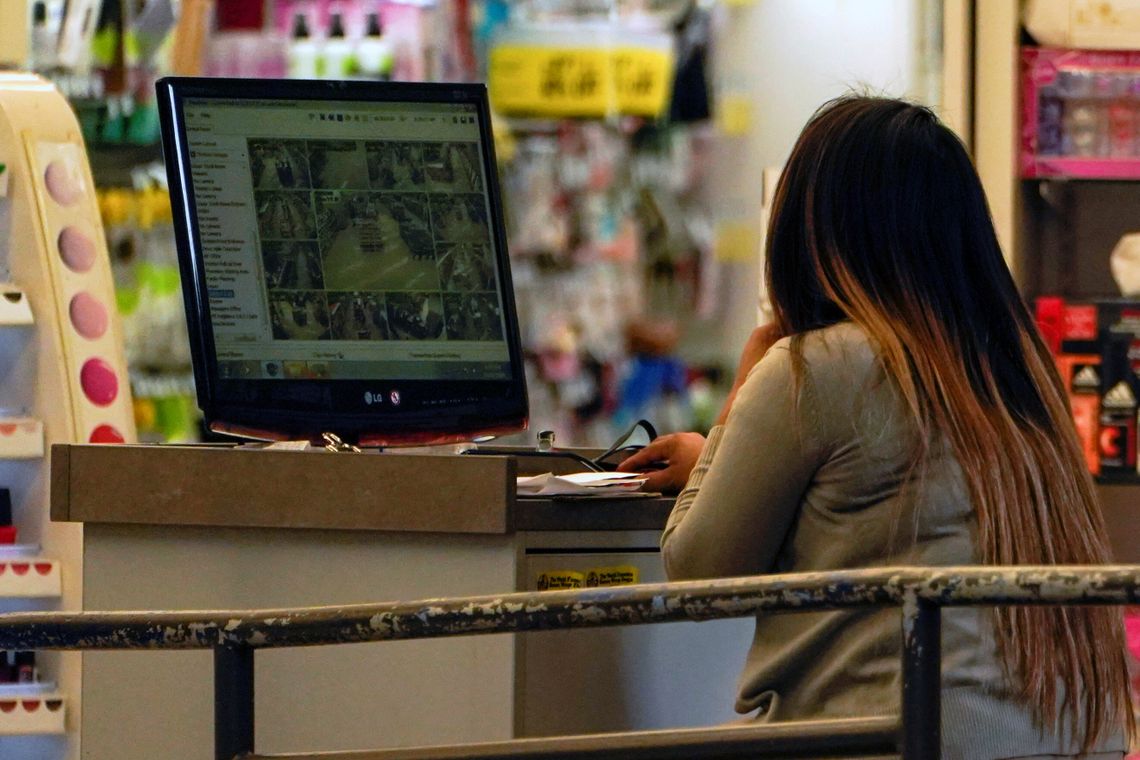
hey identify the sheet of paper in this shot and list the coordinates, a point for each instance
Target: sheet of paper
(580, 484)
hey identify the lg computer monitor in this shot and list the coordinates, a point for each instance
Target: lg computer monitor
(343, 259)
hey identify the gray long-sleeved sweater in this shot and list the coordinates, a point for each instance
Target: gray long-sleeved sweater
(821, 482)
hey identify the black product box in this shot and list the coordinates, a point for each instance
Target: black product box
(1118, 324)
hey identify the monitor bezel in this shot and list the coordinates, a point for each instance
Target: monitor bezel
(487, 407)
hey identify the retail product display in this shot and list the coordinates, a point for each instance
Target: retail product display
(65, 376)
(1080, 113)
(372, 297)
(19, 675)
(302, 50)
(7, 529)
(140, 239)
(103, 56)
(612, 246)
(29, 705)
(363, 39)
(1097, 347)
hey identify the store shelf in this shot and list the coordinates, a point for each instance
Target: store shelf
(30, 578)
(1062, 168)
(23, 715)
(14, 308)
(1119, 479)
(21, 438)
(165, 385)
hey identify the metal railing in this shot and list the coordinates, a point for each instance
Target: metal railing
(921, 593)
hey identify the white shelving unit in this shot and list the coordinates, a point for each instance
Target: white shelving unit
(32, 577)
(32, 709)
(14, 308)
(32, 714)
(21, 438)
(63, 379)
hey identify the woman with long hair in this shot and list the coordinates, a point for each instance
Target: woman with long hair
(902, 409)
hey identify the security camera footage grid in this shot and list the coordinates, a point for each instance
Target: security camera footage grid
(375, 240)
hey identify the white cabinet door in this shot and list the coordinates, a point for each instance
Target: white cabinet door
(629, 678)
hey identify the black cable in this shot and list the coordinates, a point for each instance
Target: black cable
(620, 443)
(597, 464)
(589, 464)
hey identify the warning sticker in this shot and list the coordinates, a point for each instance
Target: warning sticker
(622, 575)
(560, 579)
(619, 575)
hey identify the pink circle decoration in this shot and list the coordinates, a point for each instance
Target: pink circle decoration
(62, 184)
(76, 248)
(99, 382)
(106, 434)
(88, 315)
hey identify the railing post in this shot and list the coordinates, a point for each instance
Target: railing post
(921, 679)
(233, 702)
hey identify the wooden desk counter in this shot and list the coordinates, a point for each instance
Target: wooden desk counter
(225, 486)
(221, 527)
(228, 486)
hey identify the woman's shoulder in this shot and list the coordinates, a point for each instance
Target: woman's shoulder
(843, 387)
(842, 352)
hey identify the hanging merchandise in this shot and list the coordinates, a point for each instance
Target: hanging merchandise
(148, 291)
(375, 39)
(580, 70)
(612, 240)
(692, 99)
(106, 60)
(608, 234)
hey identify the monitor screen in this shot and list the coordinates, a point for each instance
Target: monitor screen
(343, 257)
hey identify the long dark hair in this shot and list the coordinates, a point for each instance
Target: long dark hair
(880, 219)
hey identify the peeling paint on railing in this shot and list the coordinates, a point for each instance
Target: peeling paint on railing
(619, 605)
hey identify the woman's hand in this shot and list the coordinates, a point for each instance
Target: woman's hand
(761, 339)
(678, 452)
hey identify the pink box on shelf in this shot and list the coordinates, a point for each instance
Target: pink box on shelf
(1080, 113)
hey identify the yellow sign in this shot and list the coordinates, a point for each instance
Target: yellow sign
(622, 575)
(734, 115)
(736, 241)
(533, 80)
(560, 579)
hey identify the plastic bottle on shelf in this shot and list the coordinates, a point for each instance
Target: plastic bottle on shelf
(7, 528)
(1084, 119)
(337, 53)
(302, 59)
(374, 54)
(26, 668)
(1121, 119)
(1134, 99)
(1050, 119)
(42, 46)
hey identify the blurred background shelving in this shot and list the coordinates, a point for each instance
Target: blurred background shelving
(634, 233)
